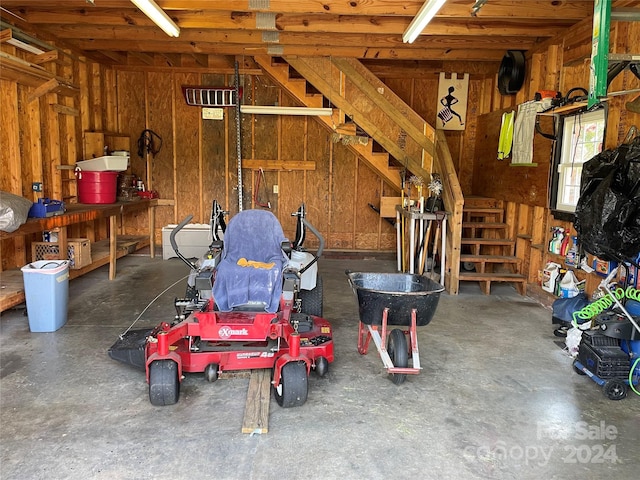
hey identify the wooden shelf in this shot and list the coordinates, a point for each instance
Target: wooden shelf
(78, 213)
(103, 252)
(32, 75)
(11, 281)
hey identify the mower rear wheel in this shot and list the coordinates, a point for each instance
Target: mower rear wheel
(311, 300)
(294, 385)
(399, 353)
(615, 389)
(164, 385)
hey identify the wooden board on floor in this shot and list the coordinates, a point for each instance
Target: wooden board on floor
(256, 410)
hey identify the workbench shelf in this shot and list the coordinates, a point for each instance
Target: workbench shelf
(103, 252)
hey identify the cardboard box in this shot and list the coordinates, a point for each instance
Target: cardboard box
(78, 252)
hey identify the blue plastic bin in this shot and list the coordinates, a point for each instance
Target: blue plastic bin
(46, 287)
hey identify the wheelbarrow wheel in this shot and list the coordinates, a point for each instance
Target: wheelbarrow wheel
(399, 353)
(164, 385)
(294, 386)
(615, 389)
(311, 300)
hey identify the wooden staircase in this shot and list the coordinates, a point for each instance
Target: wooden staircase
(407, 140)
(488, 255)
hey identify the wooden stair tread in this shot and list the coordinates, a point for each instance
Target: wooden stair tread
(484, 225)
(486, 241)
(488, 258)
(482, 209)
(493, 277)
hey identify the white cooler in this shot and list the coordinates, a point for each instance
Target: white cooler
(193, 240)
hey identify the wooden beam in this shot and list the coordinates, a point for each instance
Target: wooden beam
(400, 53)
(65, 110)
(54, 85)
(5, 35)
(285, 165)
(50, 56)
(570, 9)
(408, 125)
(142, 57)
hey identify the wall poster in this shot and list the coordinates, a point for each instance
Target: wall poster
(452, 102)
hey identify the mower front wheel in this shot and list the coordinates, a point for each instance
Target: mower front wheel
(164, 384)
(294, 385)
(321, 366)
(211, 372)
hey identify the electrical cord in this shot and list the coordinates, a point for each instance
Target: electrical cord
(633, 368)
(147, 144)
(151, 303)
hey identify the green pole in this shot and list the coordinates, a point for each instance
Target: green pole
(599, 67)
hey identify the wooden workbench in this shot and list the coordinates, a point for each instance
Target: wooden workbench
(102, 252)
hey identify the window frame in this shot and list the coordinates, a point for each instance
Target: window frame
(564, 121)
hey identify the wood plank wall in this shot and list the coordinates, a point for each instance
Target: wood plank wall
(197, 161)
(561, 65)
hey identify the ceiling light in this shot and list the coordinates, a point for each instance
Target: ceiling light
(158, 16)
(24, 46)
(424, 16)
(274, 110)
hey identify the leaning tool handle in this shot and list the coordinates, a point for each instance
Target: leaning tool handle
(172, 239)
(320, 246)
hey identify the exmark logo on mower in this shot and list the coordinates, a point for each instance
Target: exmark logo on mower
(226, 332)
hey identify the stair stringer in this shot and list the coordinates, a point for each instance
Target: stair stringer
(385, 117)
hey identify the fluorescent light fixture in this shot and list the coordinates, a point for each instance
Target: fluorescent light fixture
(24, 46)
(158, 16)
(420, 21)
(274, 110)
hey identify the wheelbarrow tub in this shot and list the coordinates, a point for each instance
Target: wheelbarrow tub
(399, 292)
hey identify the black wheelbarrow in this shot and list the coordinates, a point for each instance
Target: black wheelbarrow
(402, 299)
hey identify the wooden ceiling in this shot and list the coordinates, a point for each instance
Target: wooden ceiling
(115, 32)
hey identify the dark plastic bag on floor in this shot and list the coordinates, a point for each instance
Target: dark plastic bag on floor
(607, 216)
(563, 308)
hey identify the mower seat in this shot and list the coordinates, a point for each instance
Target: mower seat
(249, 276)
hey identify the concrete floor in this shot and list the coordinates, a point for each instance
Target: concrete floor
(497, 398)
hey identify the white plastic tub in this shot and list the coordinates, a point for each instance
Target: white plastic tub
(114, 163)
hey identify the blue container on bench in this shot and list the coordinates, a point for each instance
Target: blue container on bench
(46, 288)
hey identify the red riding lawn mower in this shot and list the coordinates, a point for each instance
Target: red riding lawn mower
(254, 301)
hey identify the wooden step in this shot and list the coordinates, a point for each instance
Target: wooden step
(485, 280)
(481, 262)
(496, 242)
(482, 212)
(468, 209)
(488, 225)
(489, 259)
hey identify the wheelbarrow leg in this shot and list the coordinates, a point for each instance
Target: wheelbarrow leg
(364, 338)
(413, 337)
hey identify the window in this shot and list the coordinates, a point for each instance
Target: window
(581, 138)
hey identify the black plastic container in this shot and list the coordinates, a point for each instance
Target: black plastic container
(399, 292)
(605, 362)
